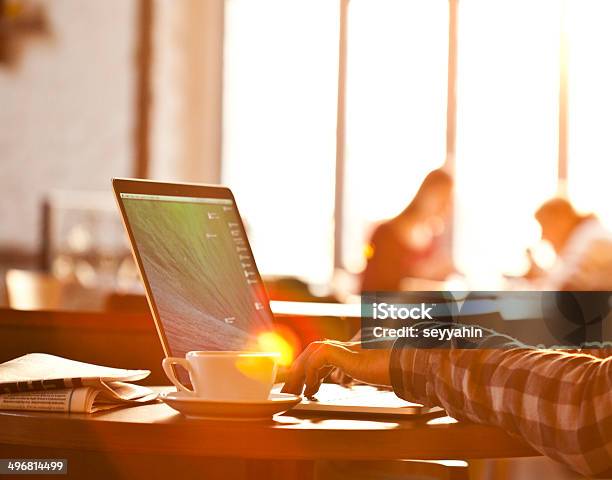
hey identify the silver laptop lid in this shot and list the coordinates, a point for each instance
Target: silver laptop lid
(202, 282)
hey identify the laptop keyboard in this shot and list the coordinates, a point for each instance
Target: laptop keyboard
(358, 396)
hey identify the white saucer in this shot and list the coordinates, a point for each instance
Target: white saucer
(240, 410)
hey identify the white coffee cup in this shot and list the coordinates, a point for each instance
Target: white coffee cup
(226, 376)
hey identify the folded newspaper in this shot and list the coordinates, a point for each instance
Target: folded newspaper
(39, 381)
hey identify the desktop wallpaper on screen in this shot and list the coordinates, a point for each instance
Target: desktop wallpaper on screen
(201, 272)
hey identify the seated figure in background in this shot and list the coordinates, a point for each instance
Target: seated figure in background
(583, 247)
(412, 244)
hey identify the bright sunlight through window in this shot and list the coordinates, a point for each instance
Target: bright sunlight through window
(590, 105)
(280, 97)
(396, 110)
(280, 100)
(507, 131)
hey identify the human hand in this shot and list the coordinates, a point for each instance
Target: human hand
(320, 358)
(339, 377)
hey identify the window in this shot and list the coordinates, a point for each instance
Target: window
(280, 96)
(395, 110)
(590, 105)
(531, 78)
(507, 130)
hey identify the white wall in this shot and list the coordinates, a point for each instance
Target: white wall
(66, 111)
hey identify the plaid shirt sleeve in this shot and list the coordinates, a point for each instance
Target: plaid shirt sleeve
(559, 403)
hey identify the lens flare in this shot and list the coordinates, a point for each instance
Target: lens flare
(273, 342)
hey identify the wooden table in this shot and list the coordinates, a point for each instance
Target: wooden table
(162, 435)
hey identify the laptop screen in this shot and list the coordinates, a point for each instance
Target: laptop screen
(202, 275)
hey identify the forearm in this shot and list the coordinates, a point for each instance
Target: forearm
(559, 403)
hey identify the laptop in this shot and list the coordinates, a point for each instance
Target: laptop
(203, 286)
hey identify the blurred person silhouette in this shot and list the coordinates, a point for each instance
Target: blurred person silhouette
(413, 244)
(582, 244)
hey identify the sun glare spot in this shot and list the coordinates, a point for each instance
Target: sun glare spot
(273, 342)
